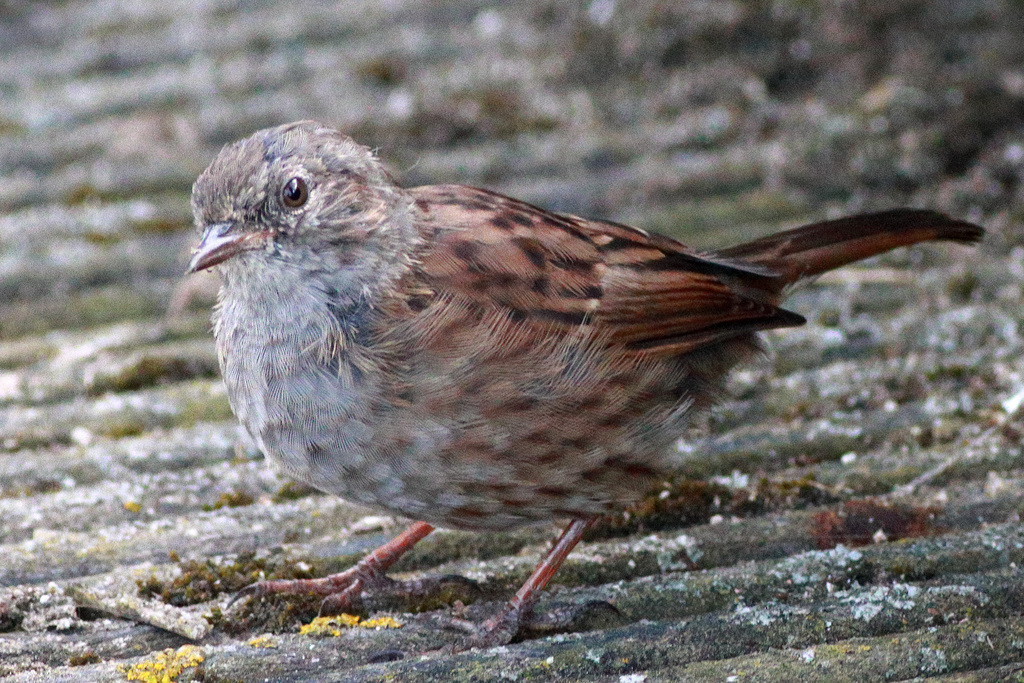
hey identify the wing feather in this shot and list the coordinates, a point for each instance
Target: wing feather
(554, 273)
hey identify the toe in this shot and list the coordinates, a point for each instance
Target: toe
(342, 602)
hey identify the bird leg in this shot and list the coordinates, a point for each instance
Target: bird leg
(342, 590)
(502, 628)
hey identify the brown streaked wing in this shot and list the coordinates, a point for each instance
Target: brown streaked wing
(646, 292)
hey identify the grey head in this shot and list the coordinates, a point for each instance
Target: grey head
(307, 232)
(298, 195)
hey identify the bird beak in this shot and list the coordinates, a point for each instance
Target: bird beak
(219, 244)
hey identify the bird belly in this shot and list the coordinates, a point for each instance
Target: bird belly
(457, 441)
(512, 450)
(494, 460)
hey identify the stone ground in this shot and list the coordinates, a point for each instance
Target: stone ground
(852, 510)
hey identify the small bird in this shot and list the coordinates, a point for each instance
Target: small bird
(467, 360)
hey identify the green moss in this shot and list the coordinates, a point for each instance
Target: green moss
(383, 71)
(274, 614)
(92, 307)
(10, 617)
(150, 369)
(678, 502)
(202, 581)
(684, 502)
(159, 226)
(208, 408)
(829, 316)
(961, 287)
(11, 128)
(786, 494)
(42, 486)
(102, 238)
(87, 657)
(83, 194)
(122, 426)
(232, 499)
(292, 490)
(110, 304)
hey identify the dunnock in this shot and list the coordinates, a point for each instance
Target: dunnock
(459, 357)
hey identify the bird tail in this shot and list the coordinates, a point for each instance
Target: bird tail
(819, 247)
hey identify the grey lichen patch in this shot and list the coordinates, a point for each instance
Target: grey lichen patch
(926, 652)
(97, 306)
(113, 415)
(933, 661)
(165, 364)
(838, 565)
(867, 606)
(472, 114)
(118, 602)
(39, 608)
(120, 358)
(449, 546)
(23, 352)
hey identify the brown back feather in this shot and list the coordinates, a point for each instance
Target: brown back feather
(552, 274)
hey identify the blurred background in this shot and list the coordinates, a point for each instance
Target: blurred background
(713, 121)
(706, 120)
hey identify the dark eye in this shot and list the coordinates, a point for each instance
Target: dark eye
(294, 193)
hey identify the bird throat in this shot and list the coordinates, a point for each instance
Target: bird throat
(298, 380)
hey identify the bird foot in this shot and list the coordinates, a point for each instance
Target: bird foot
(520, 623)
(362, 588)
(499, 630)
(339, 588)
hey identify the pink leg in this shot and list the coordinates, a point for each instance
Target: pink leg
(503, 628)
(341, 588)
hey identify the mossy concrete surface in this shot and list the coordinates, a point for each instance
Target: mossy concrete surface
(851, 512)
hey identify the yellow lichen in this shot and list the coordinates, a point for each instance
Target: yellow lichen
(132, 506)
(164, 667)
(332, 626)
(263, 641)
(380, 622)
(328, 626)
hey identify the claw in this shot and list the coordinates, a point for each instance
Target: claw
(500, 630)
(250, 591)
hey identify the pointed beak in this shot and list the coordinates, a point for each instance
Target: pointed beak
(219, 244)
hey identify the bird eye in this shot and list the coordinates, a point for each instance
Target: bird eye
(294, 193)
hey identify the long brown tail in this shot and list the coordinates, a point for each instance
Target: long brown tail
(818, 247)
